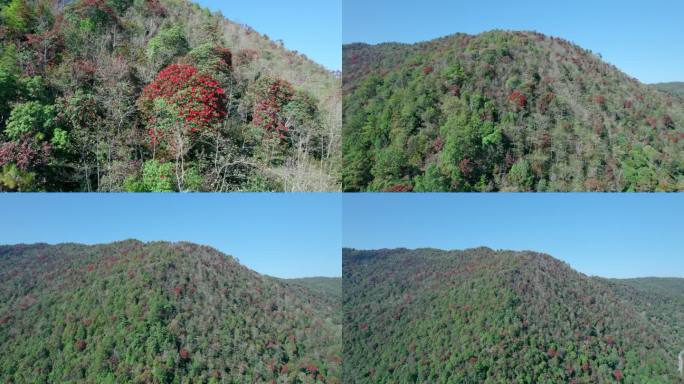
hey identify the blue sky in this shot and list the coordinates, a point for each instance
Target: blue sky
(609, 235)
(283, 235)
(312, 27)
(642, 38)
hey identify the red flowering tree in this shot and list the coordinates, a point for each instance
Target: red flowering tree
(271, 95)
(518, 99)
(197, 100)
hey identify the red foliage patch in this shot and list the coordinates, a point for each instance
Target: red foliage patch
(87, 322)
(438, 144)
(312, 369)
(91, 267)
(80, 345)
(284, 369)
(184, 354)
(267, 109)
(399, 188)
(628, 104)
(552, 352)
(155, 7)
(25, 153)
(466, 166)
(428, 69)
(617, 374)
(517, 98)
(652, 122)
(600, 100)
(177, 290)
(5, 319)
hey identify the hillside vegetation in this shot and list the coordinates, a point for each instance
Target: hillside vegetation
(132, 312)
(484, 316)
(158, 95)
(504, 111)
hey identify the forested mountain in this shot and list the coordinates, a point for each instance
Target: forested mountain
(504, 111)
(158, 95)
(330, 287)
(675, 88)
(133, 312)
(485, 316)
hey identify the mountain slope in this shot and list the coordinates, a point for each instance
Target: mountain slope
(498, 316)
(158, 95)
(157, 313)
(503, 111)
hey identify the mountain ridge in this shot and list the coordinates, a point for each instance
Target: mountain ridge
(157, 312)
(458, 113)
(479, 315)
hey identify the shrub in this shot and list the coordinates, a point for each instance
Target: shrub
(166, 45)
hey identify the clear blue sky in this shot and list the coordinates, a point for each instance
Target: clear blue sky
(312, 27)
(642, 38)
(283, 235)
(609, 235)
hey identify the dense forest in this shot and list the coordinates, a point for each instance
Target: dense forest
(504, 111)
(158, 95)
(485, 316)
(133, 312)
(675, 88)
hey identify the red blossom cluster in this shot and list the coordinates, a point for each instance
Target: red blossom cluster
(518, 99)
(267, 110)
(199, 98)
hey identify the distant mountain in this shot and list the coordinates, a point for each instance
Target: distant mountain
(675, 88)
(479, 316)
(158, 313)
(158, 95)
(504, 111)
(327, 286)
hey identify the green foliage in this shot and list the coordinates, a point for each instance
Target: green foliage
(14, 179)
(30, 118)
(158, 177)
(60, 138)
(16, 16)
(166, 45)
(159, 312)
(520, 177)
(431, 181)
